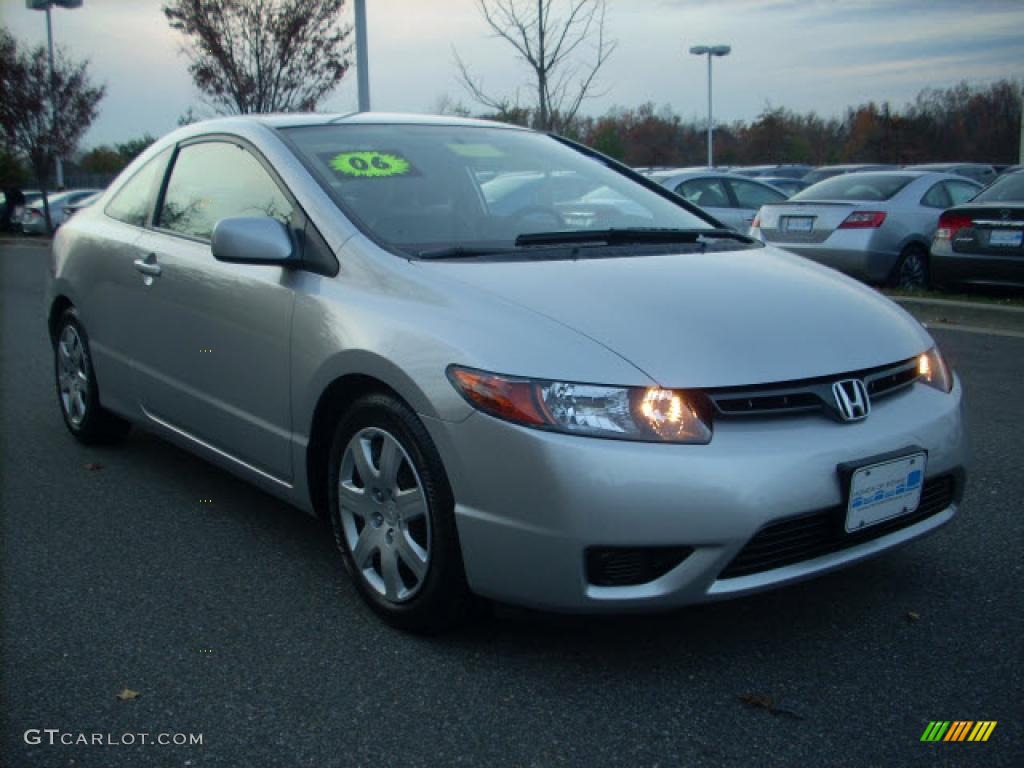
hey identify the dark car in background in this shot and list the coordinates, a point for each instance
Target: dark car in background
(788, 171)
(828, 171)
(789, 186)
(979, 172)
(981, 243)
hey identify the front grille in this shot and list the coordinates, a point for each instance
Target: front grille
(806, 537)
(810, 394)
(628, 566)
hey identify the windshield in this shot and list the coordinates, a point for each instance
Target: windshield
(420, 187)
(1007, 189)
(860, 187)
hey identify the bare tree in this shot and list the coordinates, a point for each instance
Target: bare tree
(33, 125)
(263, 55)
(565, 53)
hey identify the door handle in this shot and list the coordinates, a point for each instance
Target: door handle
(148, 266)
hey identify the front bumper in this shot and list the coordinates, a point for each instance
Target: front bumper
(529, 503)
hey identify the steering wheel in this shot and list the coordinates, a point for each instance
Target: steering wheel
(537, 212)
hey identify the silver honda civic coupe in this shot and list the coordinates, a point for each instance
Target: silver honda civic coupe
(598, 399)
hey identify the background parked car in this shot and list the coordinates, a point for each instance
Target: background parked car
(874, 226)
(33, 220)
(733, 200)
(979, 172)
(828, 171)
(14, 222)
(789, 186)
(982, 242)
(72, 208)
(791, 171)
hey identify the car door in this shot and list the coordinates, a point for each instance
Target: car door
(213, 359)
(749, 197)
(110, 290)
(710, 194)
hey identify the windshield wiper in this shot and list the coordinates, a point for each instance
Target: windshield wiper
(459, 252)
(627, 236)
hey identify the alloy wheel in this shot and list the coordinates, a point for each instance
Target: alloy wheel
(384, 515)
(913, 271)
(72, 375)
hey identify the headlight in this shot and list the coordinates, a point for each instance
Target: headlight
(932, 370)
(626, 413)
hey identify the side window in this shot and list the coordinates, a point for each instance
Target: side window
(936, 197)
(754, 195)
(960, 192)
(216, 180)
(132, 202)
(707, 193)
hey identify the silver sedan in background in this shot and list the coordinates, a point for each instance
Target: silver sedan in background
(602, 404)
(733, 200)
(875, 226)
(33, 219)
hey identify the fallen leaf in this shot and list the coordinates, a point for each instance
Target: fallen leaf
(913, 616)
(756, 700)
(759, 701)
(128, 694)
(93, 467)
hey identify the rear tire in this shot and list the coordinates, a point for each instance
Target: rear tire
(911, 271)
(392, 512)
(77, 389)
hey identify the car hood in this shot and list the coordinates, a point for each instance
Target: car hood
(709, 319)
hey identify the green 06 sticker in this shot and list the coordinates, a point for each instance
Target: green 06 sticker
(370, 163)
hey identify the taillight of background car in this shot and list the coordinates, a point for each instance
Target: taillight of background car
(950, 223)
(863, 220)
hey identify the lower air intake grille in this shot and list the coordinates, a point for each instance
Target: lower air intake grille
(820, 533)
(629, 566)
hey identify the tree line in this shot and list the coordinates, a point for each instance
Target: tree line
(962, 123)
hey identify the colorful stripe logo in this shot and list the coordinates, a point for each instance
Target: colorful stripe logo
(959, 730)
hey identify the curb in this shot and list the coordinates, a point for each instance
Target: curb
(937, 313)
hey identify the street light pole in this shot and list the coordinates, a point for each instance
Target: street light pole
(362, 57)
(709, 51)
(53, 91)
(47, 5)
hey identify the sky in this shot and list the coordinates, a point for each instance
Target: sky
(820, 55)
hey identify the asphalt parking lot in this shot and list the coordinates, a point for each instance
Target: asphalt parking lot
(233, 619)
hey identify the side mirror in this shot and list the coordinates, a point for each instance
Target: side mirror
(252, 240)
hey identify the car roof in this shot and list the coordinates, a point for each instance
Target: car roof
(302, 119)
(937, 166)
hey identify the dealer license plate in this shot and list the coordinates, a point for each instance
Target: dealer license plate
(885, 490)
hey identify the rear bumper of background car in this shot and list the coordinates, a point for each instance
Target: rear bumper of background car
(537, 511)
(851, 252)
(948, 267)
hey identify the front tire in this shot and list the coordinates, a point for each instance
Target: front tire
(77, 389)
(392, 512)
